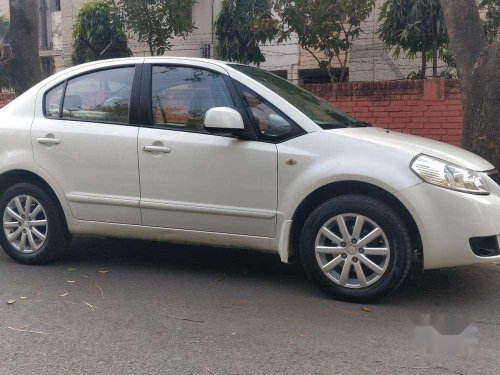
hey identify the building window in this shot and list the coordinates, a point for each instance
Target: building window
(307, 76)
(47, 66)
(187, 14)
(55, 5)
(280, 73)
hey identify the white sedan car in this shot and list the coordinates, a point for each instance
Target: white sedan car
(204, 152)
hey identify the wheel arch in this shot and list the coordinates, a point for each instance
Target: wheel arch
(15, 176)
(335, 189)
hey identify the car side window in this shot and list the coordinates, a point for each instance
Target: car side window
(273, 126)
(53, 101)
(181, 96)
(102, 96)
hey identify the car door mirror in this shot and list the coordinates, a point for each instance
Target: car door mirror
(224, 121)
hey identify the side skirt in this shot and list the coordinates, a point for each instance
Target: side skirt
(180, 236)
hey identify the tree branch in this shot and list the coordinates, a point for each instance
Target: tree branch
(312, 54)
(466, 34)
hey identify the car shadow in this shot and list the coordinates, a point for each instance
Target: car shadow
(436, 287)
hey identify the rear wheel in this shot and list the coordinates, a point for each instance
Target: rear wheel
(356, 248)
(33, 226)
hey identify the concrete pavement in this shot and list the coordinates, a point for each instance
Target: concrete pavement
(167, 309)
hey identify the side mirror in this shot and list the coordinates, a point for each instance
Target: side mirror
(224, 121)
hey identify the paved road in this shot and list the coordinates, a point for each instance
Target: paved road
(191, 310)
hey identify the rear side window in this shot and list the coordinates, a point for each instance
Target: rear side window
(53, 101)
(102, 96)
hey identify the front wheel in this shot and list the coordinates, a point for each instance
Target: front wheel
(356, 248)
(33, 227)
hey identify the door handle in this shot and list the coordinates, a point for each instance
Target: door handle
(159, 149)
(48, 141)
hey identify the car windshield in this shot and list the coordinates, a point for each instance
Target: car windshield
(318, 110)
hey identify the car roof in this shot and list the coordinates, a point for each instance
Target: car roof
(162, 58)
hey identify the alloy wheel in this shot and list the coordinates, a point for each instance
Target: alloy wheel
(25, 224)
(352, 250)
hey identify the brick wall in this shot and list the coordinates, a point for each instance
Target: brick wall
(429, 108)
(5, 98)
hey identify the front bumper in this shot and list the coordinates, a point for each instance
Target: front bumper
(447, 220)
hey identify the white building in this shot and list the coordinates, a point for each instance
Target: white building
(371, 61)
(368, 60)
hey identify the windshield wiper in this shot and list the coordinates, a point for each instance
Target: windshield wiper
(360, 124)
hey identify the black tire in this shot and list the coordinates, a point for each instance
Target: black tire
(57, 238)
(388, 220)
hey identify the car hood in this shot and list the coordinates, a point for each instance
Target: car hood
(415, 145)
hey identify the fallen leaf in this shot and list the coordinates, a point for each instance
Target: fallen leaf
(103, 271)
(102, 292)
(24, 297)
(89, 305)
(64, 295)
(27, 331)
(11, 301)
(366, 309)
(71, 281)
(186, 319)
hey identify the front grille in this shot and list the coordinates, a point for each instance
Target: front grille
(495, 176)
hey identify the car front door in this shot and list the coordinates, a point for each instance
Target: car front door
(86, 142)
(194, 180)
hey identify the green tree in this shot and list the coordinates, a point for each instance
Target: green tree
(414, 27)
(325, 28)
(491, 21)
(156, 22)
(5, 53)
(98, 33)
(241, 26)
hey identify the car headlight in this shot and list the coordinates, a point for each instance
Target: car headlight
(450, 176)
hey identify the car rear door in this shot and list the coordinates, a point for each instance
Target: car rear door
(86, 140)
(194, 180)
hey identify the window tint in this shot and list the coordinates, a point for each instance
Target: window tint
(53, 101)
(272, 125)
(102, 96)
(181, 96)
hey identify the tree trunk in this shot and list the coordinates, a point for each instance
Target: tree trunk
(424, 63)
(150, 45)
(343, 72)
(434, 61)
(434, 48)
(25, 68)
(479, 67)
(244, 55)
